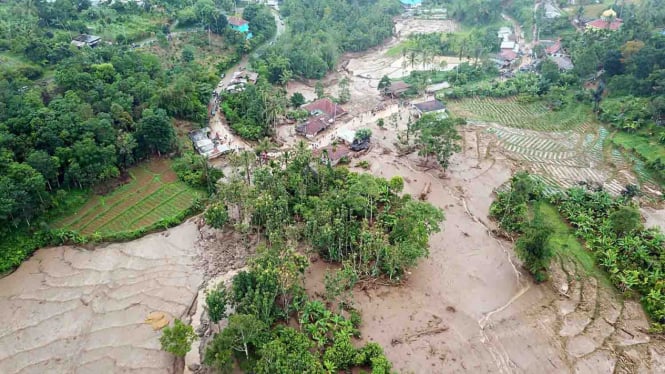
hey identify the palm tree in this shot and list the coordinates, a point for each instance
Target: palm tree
(244, 159)
(412, 57)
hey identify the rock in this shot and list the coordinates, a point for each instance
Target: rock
(193, 367)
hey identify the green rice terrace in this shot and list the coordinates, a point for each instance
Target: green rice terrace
(153, 194)
(562, 147)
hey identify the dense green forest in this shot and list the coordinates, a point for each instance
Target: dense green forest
(72, 118)
(319, 31)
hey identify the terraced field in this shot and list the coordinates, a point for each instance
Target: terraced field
(154, 193)
(563, 148)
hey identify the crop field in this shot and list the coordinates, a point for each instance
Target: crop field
(562, 148)
(154, 193)
(510, 112)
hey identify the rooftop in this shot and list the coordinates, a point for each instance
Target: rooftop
(237, 21)
(508, 54)
(554, 48)
(313, 126)
(85, 39)
(398, 87)
(325, 106)
(430, 106)
(335, 152)
(563, 62)
(602, 24)
(507, 44)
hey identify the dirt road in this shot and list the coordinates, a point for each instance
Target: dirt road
(217, 123)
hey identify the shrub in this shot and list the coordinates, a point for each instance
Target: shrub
(533, 247)
(216, 302)
(363, 164)
(217, 215)
(177, 339)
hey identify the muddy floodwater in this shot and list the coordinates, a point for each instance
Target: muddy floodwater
(71, 310)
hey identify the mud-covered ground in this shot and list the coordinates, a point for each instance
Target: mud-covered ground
(76, 310)
(470, 307)
(70, 309)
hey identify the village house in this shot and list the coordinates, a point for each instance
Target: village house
(333, 153)
(396, 89)
(556, 53)
(431, 106)
(313, 126)
(85, 40)
(504, 33)
(563, 62)
(607, 21)
(323, 113)
(348, 137)
(240, 25)
(325, 106)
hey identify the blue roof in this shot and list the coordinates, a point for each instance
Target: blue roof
(411, 2)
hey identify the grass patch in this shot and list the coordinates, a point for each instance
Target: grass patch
(133, 27)
(510, 112)
(396, 50)
(153, 194)
(566, 245)
(647, 149)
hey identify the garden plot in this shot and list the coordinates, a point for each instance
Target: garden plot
(153, 194)
(563, 148)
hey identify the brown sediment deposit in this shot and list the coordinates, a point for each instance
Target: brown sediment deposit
(69, 310)
(470, 307)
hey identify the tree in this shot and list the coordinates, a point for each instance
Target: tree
(319, 90)
(243, 336)
(384, 84)
(625, 220)
(216, 302)
(533, 247)
(437, 137)
(217, 215)
(155, 132)
(177, 339)
(297, 99)
(46, 165)
(549, 70)
(362, 134)
(344, 93)
(188, 54)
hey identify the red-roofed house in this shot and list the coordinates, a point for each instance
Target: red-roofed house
(325, 106)
(508, 55)
(313, 126)
(237, 22)
(240, 25)
(602, 24)
(334, 153)
(554, 48)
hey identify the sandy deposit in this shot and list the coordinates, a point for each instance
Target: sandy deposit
(69, 309)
